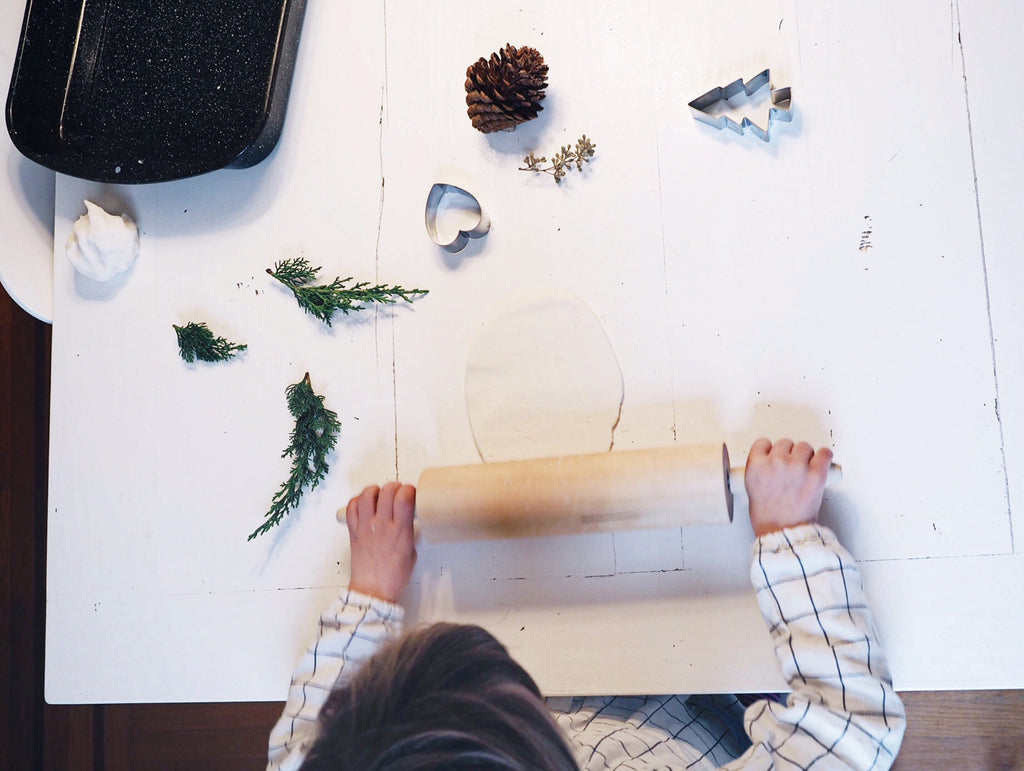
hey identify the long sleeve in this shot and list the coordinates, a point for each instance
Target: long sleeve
(843, 712)
(351, 630)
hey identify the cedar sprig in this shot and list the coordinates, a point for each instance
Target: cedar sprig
(324, 300)
(314, 436)
(196, 341)
(563, 161)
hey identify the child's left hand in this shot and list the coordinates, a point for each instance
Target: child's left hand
(383, 542)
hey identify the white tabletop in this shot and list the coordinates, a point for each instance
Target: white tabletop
(855, 282)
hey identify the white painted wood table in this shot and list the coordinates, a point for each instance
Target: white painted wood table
(857, 281)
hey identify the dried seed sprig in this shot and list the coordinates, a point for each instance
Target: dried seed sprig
(563, 161)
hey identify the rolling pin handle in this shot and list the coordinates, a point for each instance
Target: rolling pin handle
(738, 488)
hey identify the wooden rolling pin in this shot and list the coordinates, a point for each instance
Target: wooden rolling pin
(581, 494)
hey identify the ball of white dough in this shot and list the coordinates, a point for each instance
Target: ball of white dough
(102, 246)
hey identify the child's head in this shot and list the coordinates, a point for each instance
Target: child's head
(445, 696)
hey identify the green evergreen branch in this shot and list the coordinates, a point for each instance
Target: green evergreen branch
(196, 341)
(314, 436)
(563, 161)
(324, 300)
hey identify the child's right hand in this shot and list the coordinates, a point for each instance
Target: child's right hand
(383, 542)
(785, 484)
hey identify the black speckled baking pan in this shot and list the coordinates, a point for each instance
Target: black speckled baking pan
(136, 91)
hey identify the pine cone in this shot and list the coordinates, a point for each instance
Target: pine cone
(507, 90)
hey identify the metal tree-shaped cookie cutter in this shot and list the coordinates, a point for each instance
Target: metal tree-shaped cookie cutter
(781, 108)
(438, 193)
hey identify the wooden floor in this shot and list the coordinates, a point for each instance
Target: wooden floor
(955, 730)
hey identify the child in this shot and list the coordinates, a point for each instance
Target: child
(449, 696)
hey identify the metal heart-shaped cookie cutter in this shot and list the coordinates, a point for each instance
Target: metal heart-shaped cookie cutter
(781, 109)
(438, 193)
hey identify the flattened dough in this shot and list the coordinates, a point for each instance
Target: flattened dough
(542, 380)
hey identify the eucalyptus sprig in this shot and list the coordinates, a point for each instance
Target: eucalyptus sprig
(563, 161)
(314, 436)
(324, 300)
(196, 341)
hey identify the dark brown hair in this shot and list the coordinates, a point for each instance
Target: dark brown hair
(446, 696)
